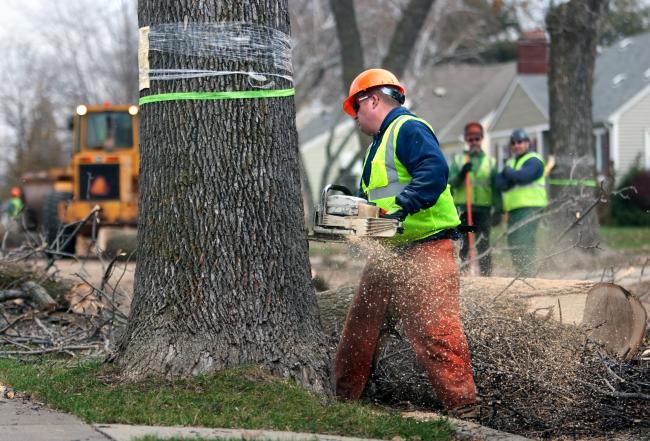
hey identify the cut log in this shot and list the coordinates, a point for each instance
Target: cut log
(31, 292)
(334, 303)
(13, 275)
(616, 319)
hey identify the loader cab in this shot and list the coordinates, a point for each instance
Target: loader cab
(105, 162)
(105, 128)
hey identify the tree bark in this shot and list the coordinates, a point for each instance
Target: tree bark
(352, 62)
(406, 34)
(574, 28)
(223, 275)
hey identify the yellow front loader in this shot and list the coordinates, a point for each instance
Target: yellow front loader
(102, 174)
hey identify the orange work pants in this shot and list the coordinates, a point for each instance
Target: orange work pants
(423, 284)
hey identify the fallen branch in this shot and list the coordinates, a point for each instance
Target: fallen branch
(49, 350)
(32, 293)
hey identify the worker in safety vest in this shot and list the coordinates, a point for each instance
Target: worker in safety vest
(484, 199)
(405, 174)
(524, 196)
(15, 204)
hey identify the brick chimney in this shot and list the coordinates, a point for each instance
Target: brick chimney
(532, 52)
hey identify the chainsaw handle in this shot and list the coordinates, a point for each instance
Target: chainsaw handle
(322, 206)
(335, 187)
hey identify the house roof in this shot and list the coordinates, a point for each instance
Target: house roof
(536, 87)
(622, 70)
(448, 96)
(471, 92)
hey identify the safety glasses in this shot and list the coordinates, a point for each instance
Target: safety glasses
(357, 102)
(520, 141)
(473, 139)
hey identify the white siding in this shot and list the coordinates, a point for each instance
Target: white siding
(632, 127)
(520, 111)
(313, 153)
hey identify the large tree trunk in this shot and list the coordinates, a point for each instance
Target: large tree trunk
(223, 275)
(574, 28)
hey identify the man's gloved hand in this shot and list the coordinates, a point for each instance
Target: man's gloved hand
(400, 215)
(467, 167)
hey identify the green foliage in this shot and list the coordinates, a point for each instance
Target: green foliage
(246, 398)
(627, 205)
(626, 238)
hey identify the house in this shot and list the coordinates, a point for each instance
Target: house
(448, 96)
(621, 105)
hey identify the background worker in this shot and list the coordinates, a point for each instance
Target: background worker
(12, 210)
(524, 195)
(485, 201)
(405, 174)
(15, 204)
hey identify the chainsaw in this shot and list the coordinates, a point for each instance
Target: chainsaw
(339, 216)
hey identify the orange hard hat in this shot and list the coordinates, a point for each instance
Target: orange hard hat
(15, 192)
(366, 80)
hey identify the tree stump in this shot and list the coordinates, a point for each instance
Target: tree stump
(615, 318)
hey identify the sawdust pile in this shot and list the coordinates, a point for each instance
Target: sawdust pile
(536, 377)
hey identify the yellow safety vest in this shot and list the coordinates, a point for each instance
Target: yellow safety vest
(532, 194)
(480, 183)
(389, 177)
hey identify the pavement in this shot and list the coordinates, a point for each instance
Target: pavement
(29, 421)
(21, 419)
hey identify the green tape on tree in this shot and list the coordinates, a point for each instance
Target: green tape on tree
(573, 182)
(241, 94)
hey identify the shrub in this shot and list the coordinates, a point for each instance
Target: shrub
(630, 204)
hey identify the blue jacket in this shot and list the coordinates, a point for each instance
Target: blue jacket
(418, 149)
(531, 170)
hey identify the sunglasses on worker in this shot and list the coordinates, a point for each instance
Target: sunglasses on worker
(473, 139)
(357, 102)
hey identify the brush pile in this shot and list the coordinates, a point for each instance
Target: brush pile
(41, 314)
(536, 377)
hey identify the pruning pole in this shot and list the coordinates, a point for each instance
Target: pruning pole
(470, 221)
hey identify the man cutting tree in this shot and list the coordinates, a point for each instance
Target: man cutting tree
(405, 174)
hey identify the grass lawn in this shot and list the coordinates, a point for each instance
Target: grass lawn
(246, 398)
(626, 238)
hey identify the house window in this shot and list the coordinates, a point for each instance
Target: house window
(647, 149)
(598, 146)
